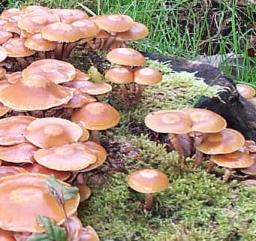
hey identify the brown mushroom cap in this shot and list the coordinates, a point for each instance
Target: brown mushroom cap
(119, 75)
(12, 27)
(34, 23)
(20, 153)
(37, 168)
(36, 42)
(12, 129)
(85, 192)
(87, 27)
(114, 23)
(3, 54)
(88, 234)
(246, 91)
(51, 132)
(6, 236)
(61, 32)
(89, 87)
(147, 76)
(8, 13)
(3, 110)
(99, 151)
(148, 181)
(70, 15)
(37, 94)
(176, 122)
(79, 100)
(226, 141)
(97, 116)
(85, 135)
(70, 157)
(206, 121)
(10, 170)
(27, 195)
(15, 48)
(4, 36)
(232, 160)
(251, 170)
(136, 32)
(13, 77)
(53, 70)
(126, 56)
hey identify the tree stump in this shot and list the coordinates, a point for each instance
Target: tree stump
(238, 112)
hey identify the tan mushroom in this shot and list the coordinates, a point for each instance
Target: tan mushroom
(11, 170)
(88, 234)
(246, 91)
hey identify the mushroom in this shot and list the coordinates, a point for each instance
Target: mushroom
(172, 123)
(234, 160)
(251, 170)
(84, 190)
(37, 94)
(246, 91)
(148, 181)
(73, 226)
(12, 129)
(88, 234)
(13, 77)
(52, 132)
(69, 157)
(20, 153)
(4, 36)
(27, 195)
(69, 15)
(11, 170)
(97, 116)
(51, 70)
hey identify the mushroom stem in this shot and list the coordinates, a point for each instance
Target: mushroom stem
(124, 92)
(227, 175)
(148, 201)
(210, 166)
(41, 55)
(198, 137)
(111, 40)
(68, 50)
(58, 51)
(177, 145)
(22, 62)
(95, 136)
(139, 92)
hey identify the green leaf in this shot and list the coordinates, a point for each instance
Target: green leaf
(53, 231)
(39, 237)
(61, 192)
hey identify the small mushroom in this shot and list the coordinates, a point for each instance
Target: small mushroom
(85, 191)
(246, 91)
(88, 234)
(148, 181)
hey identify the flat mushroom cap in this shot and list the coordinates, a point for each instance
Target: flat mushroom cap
(246, 91)
(51, 132)
(15, 48)
(206, 121)
(20, 153)
(114, 23)
(136, 32)
(11, 170)
(37, 168)
(6, 236)
(148, 181)
(232, 160)
(87, 27)
(97, 116)
(126, 56)
(12, 129)
(37, 43)
(119, 75)
(34, 23)
(70, 15)
(251, 170)
(89, 87)
(99, 151)
(3, 54)
(88, 234)
(27, 195)
(61, 32)
(175, 122)
(226, 141)
(4, 36)
(147, 76)
(36, 95)
(70, 157)
(53, 70)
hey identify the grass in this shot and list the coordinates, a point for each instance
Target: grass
(197, 206)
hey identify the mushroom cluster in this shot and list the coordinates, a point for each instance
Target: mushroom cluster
(39, 32)
(202, 132)
(130, 74)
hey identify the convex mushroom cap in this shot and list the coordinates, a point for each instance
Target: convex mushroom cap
(175, 122)
(119, 75)
(51, 131)
(246, 91)
(126, 56)
(97, 116)
(226, 141)
(37, 43)
(148, 181)
(27, 195)
(237, 159)
(147, 76)
(69, 15)
(70, 157)
(87, 28)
